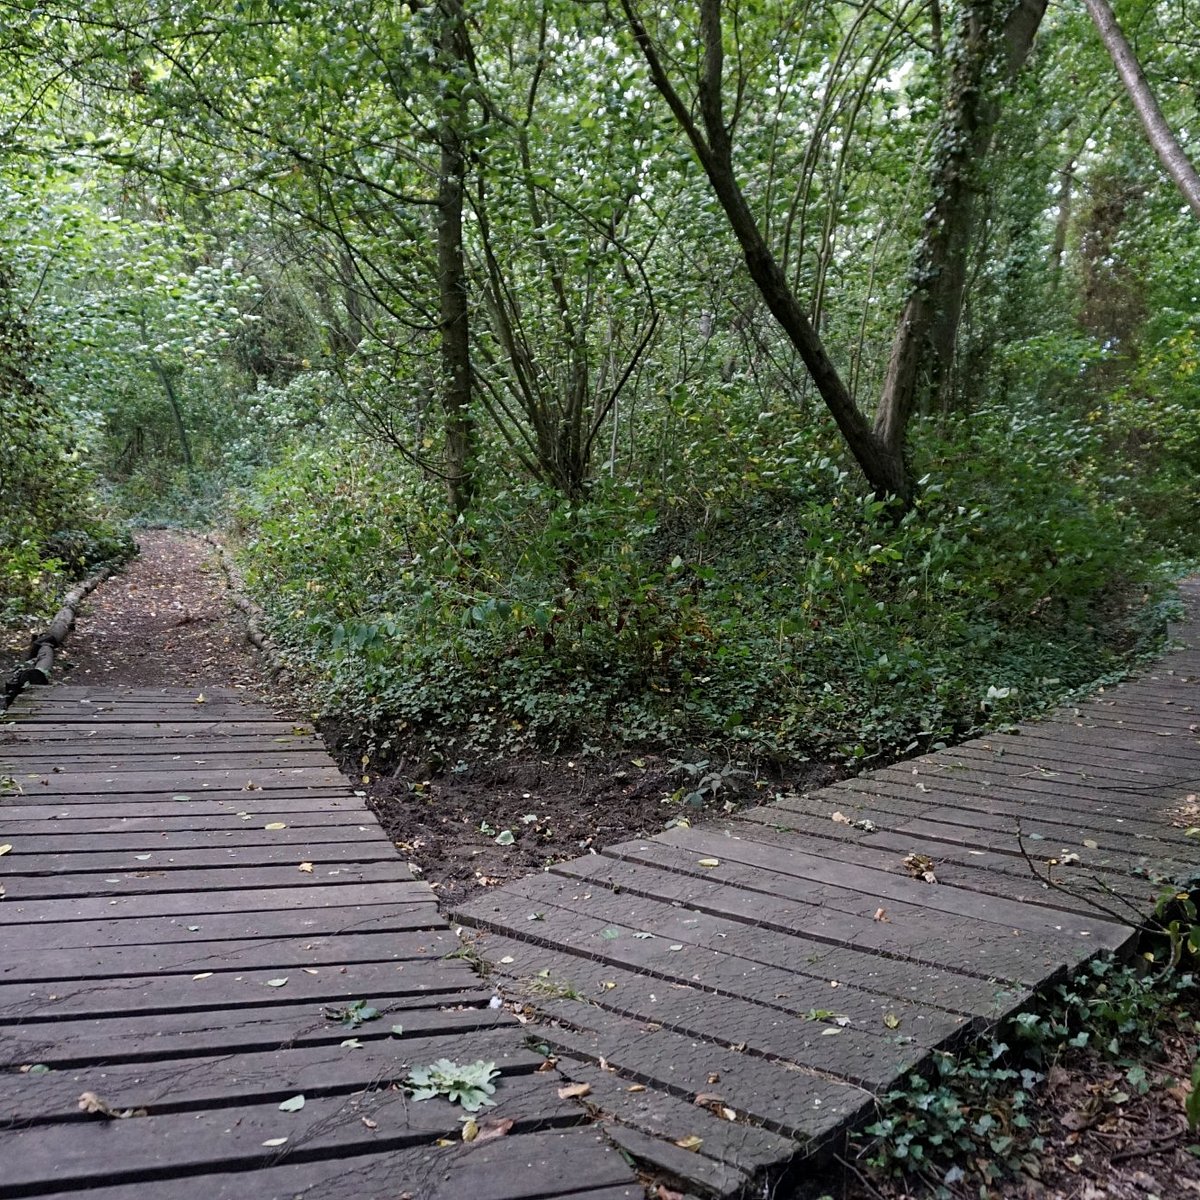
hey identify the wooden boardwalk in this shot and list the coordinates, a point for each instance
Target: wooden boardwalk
(193, 900)
(736, 994)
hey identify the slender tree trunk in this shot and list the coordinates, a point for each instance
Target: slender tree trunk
(1160, 135)
(452, 273)
(884, 465)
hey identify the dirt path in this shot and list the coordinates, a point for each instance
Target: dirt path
(163, 621)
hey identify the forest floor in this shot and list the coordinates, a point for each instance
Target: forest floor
(165, 620)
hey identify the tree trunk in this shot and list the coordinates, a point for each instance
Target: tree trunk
(452, 274)
(168, 383)
(928, 329)
(1160, 135)
(884, 465)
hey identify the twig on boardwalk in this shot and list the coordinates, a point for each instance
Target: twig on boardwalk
(1048, 880)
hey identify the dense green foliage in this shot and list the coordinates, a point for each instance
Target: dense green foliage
(553, 367)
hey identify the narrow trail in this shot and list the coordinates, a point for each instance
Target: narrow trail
(163, 621)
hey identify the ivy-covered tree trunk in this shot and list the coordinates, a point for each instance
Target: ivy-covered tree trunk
(454, 324)
(989, 52)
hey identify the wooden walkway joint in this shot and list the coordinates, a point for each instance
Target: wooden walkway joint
(737, 994)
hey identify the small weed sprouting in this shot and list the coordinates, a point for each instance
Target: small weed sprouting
(469, 1085)
(353, 1014)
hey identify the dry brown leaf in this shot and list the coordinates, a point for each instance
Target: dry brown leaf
(573, 1091)
(881, 915)
(490, 1130)
(369, 1123)
(691, 1142)
(89, 1102)
(306, 868)
(636, 1087)
(841, 819)
(920, 866)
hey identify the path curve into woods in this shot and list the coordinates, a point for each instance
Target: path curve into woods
(197, 903)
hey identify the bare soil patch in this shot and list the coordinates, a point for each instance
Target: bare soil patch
(485, 824)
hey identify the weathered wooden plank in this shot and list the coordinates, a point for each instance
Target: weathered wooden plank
(661, 1115)
(723, 954)
(316, 853)
(565, 900)
(153, 746)
(795, 1103)
(180, 778)
(199, 815)
(136, 766)
(69, 731)
(230, 989)
(579, 1163)
(242, 834)
(251, 1077)
(215, 927)
(148, 1147)
(864, 1050)
(997, 820)
(98, 908)
(313, 952)
(866, 881)
(920, 935)
(178, 1037)
(234, 878)
(696, 1170)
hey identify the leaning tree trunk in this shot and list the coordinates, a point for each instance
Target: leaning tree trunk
(1160, 135)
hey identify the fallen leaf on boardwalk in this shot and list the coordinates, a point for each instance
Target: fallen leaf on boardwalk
(295, 1104)
(1091, 843)
(1068, 857)
(277, 982)
(276, 825)
(636, 1087)
(677, 946)
(920, 866)
(275, 1141)
(351, 1044)
(369, 1123)
(470, 1130)
(707, 1099)
(881, 915)
(666, 1193)
(642, 934)
(200, 699)
(5, 848)
(573, 1091)
(310, 970)
(891, 1020)
(89, 1102)
(709, 862)
(203, 975)
(489, 1131)
(841, 819)
(306, 868)
(508, 958)
(443, 1142)
(251, 786)
(691, 1142)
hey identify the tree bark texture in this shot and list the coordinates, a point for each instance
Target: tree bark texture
(452, 273)
(927, 334)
